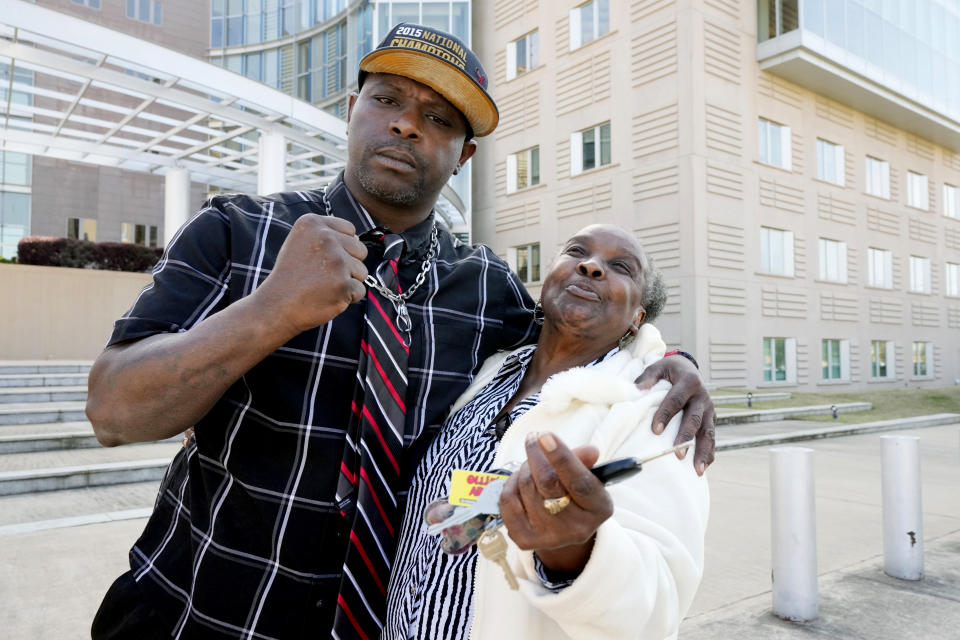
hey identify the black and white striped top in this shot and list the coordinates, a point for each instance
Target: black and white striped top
(430, 592)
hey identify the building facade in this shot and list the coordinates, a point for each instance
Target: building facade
(791, 165)
(53, 197)
(308, 49)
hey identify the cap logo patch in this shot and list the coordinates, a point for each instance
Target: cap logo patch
(436, 44)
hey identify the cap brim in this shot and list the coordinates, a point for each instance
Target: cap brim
(454, 85)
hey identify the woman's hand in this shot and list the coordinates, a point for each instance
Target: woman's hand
(688, 394)
(563, 541)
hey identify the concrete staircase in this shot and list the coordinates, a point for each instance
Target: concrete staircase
(47, 444)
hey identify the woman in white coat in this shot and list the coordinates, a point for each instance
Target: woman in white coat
(614, 562)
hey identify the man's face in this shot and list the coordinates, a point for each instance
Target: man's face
(404, 140)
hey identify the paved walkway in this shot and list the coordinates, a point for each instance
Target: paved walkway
(856, 599)
(52, 580)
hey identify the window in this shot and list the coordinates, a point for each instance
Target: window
(830, 165)
(588, 22)
(881, 359)
(776, 252)
(880, 268)
(776, 17)
(16, 169)
(774, 143)
(922, 359)
(953, 280)
(590, 149)
(525, 260)
(833, 260)
(14, 220)
(327, 64)
(917, 193)
(82, 229)
(93, 4)
(951, 203)
(779, 359)
(144, 235)
(523, 169)
(919, 274)
(523, 55)
(303, 70)
(145, 11)
(878, 178)
(835, 360)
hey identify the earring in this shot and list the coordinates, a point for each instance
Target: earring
(538, 314)
(456, 171)
(628, 337)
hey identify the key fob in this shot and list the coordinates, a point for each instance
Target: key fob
(616, 470)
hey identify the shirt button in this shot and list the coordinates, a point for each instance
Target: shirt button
(320, 604)
(413, 589)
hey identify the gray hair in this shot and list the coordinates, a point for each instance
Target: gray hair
(654, 293)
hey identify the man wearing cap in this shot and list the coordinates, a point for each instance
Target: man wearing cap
(314, 341)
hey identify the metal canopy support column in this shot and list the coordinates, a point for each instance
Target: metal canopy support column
(273, 163)
(176, 202)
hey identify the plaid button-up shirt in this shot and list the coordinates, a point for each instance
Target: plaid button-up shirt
(245, 540)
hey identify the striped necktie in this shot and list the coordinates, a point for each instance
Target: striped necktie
(370, 469)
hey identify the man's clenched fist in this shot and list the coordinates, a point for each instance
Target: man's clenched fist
(318, 273)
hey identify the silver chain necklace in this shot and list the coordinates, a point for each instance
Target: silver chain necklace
(399, 300)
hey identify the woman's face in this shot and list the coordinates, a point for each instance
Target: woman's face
(595, 286)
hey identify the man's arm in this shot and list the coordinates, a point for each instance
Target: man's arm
(158, 386)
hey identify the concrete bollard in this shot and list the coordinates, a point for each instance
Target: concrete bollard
(902, 515)
(794, 534)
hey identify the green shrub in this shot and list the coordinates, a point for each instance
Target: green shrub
(83, 254)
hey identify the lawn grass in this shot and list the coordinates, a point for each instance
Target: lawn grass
(887, 403)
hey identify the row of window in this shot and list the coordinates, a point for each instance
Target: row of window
(589, 149)
(86, 229)
(316, 67)
(587, 23)
(780, 360)
(235, 23)
(150, 11)
(774, 149)
(776, 258)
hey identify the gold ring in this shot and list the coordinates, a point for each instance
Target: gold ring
(556, 505)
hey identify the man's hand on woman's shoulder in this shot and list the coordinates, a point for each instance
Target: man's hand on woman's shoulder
(688, 394)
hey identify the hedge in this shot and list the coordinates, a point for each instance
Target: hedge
(68, 252)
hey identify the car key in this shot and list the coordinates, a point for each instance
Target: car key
(488, 503)
(623, 468)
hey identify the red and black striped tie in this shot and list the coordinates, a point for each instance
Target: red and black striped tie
(370, 469)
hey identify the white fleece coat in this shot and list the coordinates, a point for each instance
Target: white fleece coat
(647, 560)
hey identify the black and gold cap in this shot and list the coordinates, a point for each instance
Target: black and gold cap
(443, 63)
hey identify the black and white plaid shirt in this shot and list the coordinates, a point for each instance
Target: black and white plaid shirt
(245, 540)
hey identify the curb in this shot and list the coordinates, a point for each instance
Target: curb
(785, 413)
(918, 422)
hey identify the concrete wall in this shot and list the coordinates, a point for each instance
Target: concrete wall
(55, 313)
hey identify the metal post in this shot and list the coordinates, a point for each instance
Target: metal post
(176, 202)
(794, 534)
(271, 177)
(902, 517)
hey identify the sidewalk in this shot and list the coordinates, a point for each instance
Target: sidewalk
(52, 580)
(856, 599)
